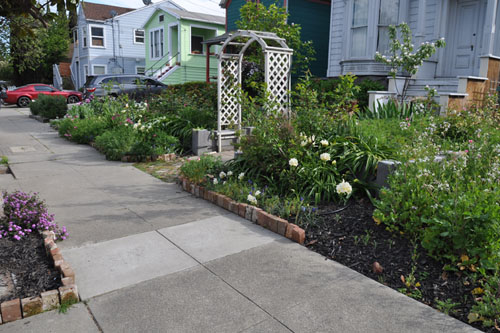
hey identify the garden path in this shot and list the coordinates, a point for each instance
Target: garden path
(151, 258)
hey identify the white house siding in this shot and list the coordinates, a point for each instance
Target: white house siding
(430, 20)
(413, 15)
(337, 27)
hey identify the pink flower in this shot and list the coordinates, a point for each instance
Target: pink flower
(466, 150)
(471, 141)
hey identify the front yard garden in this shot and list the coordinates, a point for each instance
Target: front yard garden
(432, 235)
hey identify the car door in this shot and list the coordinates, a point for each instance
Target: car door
(155, 87)
(41, 89)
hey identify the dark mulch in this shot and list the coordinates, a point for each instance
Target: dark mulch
(25, 269)
(352, 238)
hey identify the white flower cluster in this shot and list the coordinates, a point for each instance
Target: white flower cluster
(344, 188)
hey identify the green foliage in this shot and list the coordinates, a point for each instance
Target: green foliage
(81, 130)
(116, 143)
(391, 109)
(326, 87)
(365, 86)
(451, 207)
(487, 308)
(4, 160)
(196, 170)
(401, 53)
(255, 16)
(50, 107)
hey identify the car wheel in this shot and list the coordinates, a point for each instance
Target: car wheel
(73, 99)
(23, 102)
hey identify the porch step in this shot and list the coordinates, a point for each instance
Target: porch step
(445, 85)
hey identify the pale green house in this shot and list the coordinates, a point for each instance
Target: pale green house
(175, 52)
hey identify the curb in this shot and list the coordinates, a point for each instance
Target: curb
(256, 215)
(67, 294)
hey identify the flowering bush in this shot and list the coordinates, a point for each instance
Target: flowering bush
(451, 206)
(24, 214)
(402, 56)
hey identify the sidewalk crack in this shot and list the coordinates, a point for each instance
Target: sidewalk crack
(227, 283)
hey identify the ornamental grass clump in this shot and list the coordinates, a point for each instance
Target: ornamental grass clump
(26, 213)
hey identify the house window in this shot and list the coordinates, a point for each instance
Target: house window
(359, 30)
(196, 44)
(161, 18)
(84, 37)
(98, 69)
(75, 37)
(97, 36)
(388, 15)
(140, 70)
(156, 43)
(138, 36)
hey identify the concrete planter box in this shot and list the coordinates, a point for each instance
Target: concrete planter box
(201, 141)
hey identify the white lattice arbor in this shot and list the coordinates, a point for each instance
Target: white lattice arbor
(277, 64)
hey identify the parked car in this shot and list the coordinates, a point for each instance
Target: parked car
(134, 85)
(22, 96)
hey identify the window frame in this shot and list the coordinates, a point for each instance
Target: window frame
(103, 36)
(203, 49)
(143, 71)
(152, 47)
(143, 36)
(372, 28)
(98, 65)
(85, 37)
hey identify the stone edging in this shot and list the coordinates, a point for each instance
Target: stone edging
(67, 294)
(256, 215)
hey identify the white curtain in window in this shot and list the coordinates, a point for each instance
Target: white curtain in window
(359, 28)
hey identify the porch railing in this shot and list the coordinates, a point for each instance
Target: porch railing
(160, 67)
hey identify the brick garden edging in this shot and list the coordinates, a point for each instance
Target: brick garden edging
(256, 215)
(67, 294)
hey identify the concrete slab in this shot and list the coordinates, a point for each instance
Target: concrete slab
(92, 223)
(77, 319)
(111, 265)
(309, 294)
(217, 237)
(176, 211)
(190, 301)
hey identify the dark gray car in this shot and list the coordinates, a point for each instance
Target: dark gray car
(136, 86)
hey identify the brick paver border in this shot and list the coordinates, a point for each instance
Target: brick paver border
(256, 215)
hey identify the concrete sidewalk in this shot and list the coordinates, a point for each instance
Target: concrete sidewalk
(151, 258)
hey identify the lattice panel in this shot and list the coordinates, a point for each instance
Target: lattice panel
(277, 80)
(229, 88)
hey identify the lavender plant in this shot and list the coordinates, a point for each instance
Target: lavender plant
(25, 213)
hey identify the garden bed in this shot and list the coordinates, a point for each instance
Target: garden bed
(25, 268)
(352, 238)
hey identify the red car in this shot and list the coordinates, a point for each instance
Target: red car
(22, 96)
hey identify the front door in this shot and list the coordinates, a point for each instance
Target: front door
(467, 37)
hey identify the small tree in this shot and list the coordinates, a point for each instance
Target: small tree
(255, 16)
(401, 57)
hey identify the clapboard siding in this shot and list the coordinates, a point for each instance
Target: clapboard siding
(314, 19)
(337, 31)
(430, 19)
(413, 15)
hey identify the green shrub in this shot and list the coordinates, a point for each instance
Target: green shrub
(81, 130)
(451, 206)
(50, 107)
(197, 170)
(116, 142)
(35, 107)
(364, 87)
